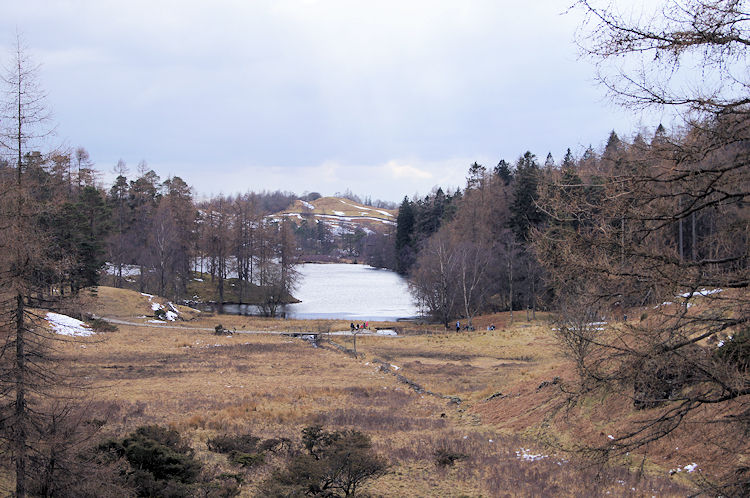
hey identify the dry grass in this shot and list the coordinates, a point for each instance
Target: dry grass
(334, 205)
(273, 386)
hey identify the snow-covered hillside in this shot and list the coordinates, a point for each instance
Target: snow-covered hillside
(341, 215)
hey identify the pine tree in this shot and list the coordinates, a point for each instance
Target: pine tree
(525, 214)
(404, 237)
(504, 172)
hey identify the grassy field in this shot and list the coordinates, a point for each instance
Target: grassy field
(481, 394)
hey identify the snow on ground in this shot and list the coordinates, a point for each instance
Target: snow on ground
(525, 454)
(386, 332)
(339, 213)
(65, 325)
(384, 213)
(689, 468)
(354, 205)
(702, 292)
(127, 270)
(307, 205)
(171, 312)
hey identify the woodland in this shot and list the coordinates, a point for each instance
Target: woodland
(628, 236)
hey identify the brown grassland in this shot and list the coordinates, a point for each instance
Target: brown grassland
(202, 384)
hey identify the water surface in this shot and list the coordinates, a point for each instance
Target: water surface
(351, 292)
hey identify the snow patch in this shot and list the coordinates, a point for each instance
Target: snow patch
(689, 468)
(339, 213)
(702, 292)
(386, 332)
(526, 455)
(65, 325)
(308, 205)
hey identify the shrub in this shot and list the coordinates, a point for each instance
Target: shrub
(245, 443)
(336, 464)
(162, 464)
(736, 350)
(246, 459)
(100, 325)
(446, 458)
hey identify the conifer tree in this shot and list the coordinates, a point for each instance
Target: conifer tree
(404, 237)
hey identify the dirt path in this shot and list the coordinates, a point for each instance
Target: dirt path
(118, 321)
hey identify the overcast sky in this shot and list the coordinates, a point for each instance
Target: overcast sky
(386, 98)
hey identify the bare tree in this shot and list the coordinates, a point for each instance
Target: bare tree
(686, 54)
(472, 265)
(434, 279)
(614, 237)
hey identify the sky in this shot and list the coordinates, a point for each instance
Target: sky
(387, 98)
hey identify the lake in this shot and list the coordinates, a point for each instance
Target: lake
(348, 292)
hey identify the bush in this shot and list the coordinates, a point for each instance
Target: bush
(446, 458)
(336, 464)
(100, 325)
(245, 443)
(162, 464)
(246, 459)
(736, 350)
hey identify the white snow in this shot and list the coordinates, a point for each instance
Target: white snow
(702, 292)
(127, 270)
(198, 279)
(307, 205)
(385, 213)
(65, 325)
(689, 468)
(156, 321)
(339, 213)
(386, 332)
(525, 454)
(354, 205)
(171, 313)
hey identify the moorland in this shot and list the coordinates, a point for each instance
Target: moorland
(492, 399)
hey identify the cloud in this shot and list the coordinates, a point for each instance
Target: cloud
(406, 171)
(314, 95)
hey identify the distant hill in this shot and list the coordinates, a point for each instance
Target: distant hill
(341, 215)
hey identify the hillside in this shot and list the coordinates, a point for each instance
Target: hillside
(341, 215)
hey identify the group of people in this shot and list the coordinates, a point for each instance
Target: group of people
(468, 327)
(357, 327)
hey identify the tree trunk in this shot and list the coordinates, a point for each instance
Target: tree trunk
(19, 436)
